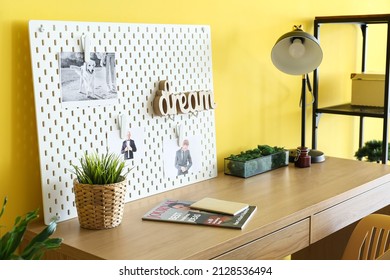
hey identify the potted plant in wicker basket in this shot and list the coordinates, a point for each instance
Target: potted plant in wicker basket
(100, 189)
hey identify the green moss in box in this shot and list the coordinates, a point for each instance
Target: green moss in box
(256, 161)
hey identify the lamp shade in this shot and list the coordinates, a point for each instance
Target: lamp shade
(296, 53)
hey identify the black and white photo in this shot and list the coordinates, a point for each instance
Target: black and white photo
(88, 81)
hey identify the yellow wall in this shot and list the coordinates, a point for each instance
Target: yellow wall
(257, 104)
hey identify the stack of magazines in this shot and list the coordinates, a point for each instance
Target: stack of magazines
(208, 211)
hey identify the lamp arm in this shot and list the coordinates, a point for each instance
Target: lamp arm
(303, 113)
(308, 83)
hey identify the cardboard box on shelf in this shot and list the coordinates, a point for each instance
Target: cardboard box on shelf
(368, 89)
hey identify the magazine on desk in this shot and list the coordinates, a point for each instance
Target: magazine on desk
(179, 211)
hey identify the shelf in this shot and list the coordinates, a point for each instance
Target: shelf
(348, 109)
(359, 19)
(353, 110)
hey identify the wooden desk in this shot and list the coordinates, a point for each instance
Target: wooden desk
(296, 207)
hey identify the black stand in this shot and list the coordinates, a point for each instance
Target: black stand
(316, 156)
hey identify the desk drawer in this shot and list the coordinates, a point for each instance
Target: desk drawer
(273, 246)
(341, 215)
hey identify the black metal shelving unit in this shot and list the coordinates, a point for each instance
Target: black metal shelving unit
(347, 109)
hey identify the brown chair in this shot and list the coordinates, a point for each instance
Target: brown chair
(370, 239)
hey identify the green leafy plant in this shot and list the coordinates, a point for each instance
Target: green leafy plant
(10, 241)
(371, 151)
(259, 151)
(98, 169)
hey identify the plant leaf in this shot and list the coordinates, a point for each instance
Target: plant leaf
(37, 249)
(11, 240)
(3, 207)
(39, 238)
(100, 169)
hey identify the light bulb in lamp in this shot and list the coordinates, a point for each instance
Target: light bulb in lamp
(297, 49)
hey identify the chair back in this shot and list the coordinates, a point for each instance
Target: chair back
(370, 239)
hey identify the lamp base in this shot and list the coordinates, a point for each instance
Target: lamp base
(316, 156)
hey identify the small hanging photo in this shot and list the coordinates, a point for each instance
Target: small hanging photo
(88, 82)
(130, 148)
(182, 159)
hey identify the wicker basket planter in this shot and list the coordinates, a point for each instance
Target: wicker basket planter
(100, 206)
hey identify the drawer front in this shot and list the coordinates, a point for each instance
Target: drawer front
(273, 246)
(341, 215)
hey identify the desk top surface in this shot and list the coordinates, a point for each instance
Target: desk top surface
(283, 196)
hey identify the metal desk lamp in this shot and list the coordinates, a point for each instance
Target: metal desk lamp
(298, 53)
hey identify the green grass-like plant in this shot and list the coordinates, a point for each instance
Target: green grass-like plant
(98, 169)
(10, 241)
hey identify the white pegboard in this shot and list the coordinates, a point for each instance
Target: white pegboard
(144, 55)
